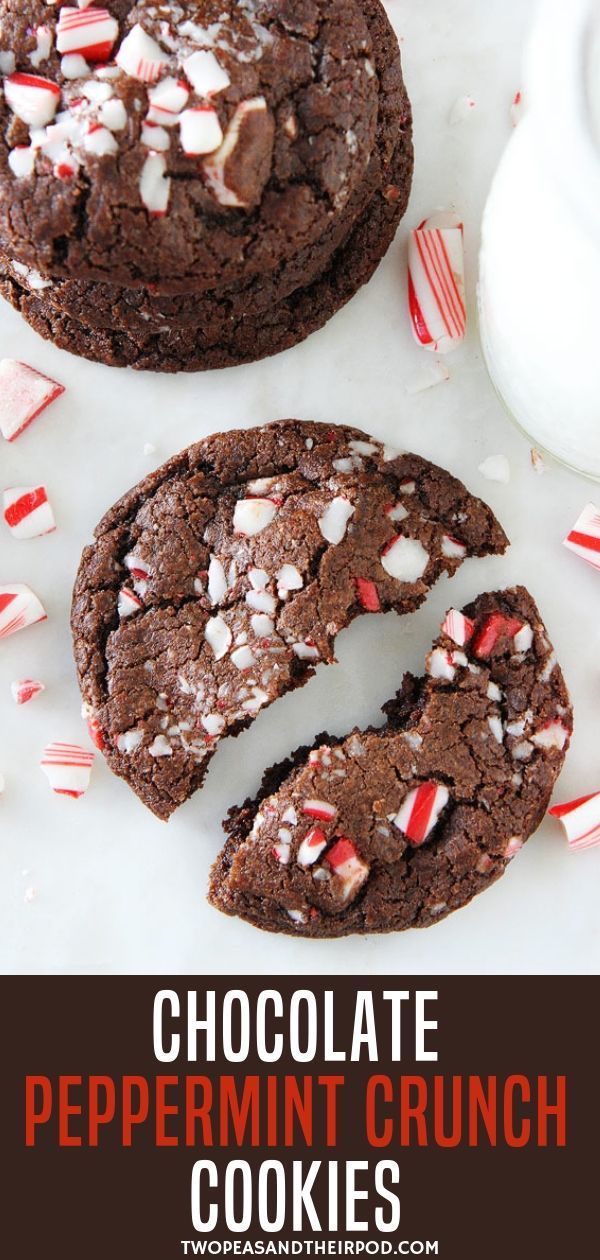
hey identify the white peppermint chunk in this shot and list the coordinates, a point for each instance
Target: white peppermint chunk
(217, 581)
(289, 579)
(251, 516)
(218, 636)
(155, 188)
(201, 130)
(523, 639)
(243, 658)
(262, 626)
(205, 74)
(161, 747)
(261, 601)
(334, 521)
(405, 559)
(213, 724)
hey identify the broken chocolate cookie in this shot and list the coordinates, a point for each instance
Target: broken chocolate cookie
(396, 827)
(222, 580)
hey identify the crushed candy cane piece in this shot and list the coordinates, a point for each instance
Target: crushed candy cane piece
(68, 768)
(200, 130)
(458, 627)
(584, 538)
(321, 810)
(436, 283)
(19, 608)
(24, 394)
(205, 74)
(552, 735)
(88, 31)
(251, 516)
(155, 185)
(140, 56)
(368, 595)
(580, 820)
(496, 468)
(27, 512)
(334, 521)
(345, 863)
(312, 846)
(405, 559)
(218, 636)
(167, 100)
(420, 811)
(33, 100)
(452, 549)
(26, 689)
(495, 628)
(441, 665)
(128, 602)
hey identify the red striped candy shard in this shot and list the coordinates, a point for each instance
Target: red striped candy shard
(421, 810)
(495, 628)
(19, 608)
(436, 283)
(24, 394)
(348, 868)
(89, 31)
(140, 56)
(311, 846)
(458, 627)
(584, 538)
(27, 512)
(580, 820)
(320, 810)
(68, 768)
(34, 100)
(26, 689)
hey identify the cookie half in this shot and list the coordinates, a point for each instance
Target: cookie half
(222, 580)
(397, 827)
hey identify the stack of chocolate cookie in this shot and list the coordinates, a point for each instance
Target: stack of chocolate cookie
(197, 184)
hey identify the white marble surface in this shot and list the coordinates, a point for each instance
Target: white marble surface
(117, 891)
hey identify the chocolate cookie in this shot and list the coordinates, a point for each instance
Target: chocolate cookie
(397, 827)
(222, 580)
(141, 310)
(221, 139)
(226, 335)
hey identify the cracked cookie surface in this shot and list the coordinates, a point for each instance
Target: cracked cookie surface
(98, 179)
(222, 580)
(397, 827)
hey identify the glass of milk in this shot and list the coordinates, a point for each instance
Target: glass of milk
(539, 287)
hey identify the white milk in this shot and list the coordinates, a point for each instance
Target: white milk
(539, 291)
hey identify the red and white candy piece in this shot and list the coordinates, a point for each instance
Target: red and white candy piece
(167, 100)
(420, 811)
(458, 627)
(155, 186)
(347, 866)
(140, 56)
(580, 820)
(321, 810)
(201, 130)
(436, 283)
(251, 516)
(19, 608)
(584, 538)
(26, 689)
(216, 166)
(34, 100)
(205, 74)
(312, 847)
(24, 393)
(88, 31)
(128, 603)
(494, 628)
(27, 512)
(68, 768)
